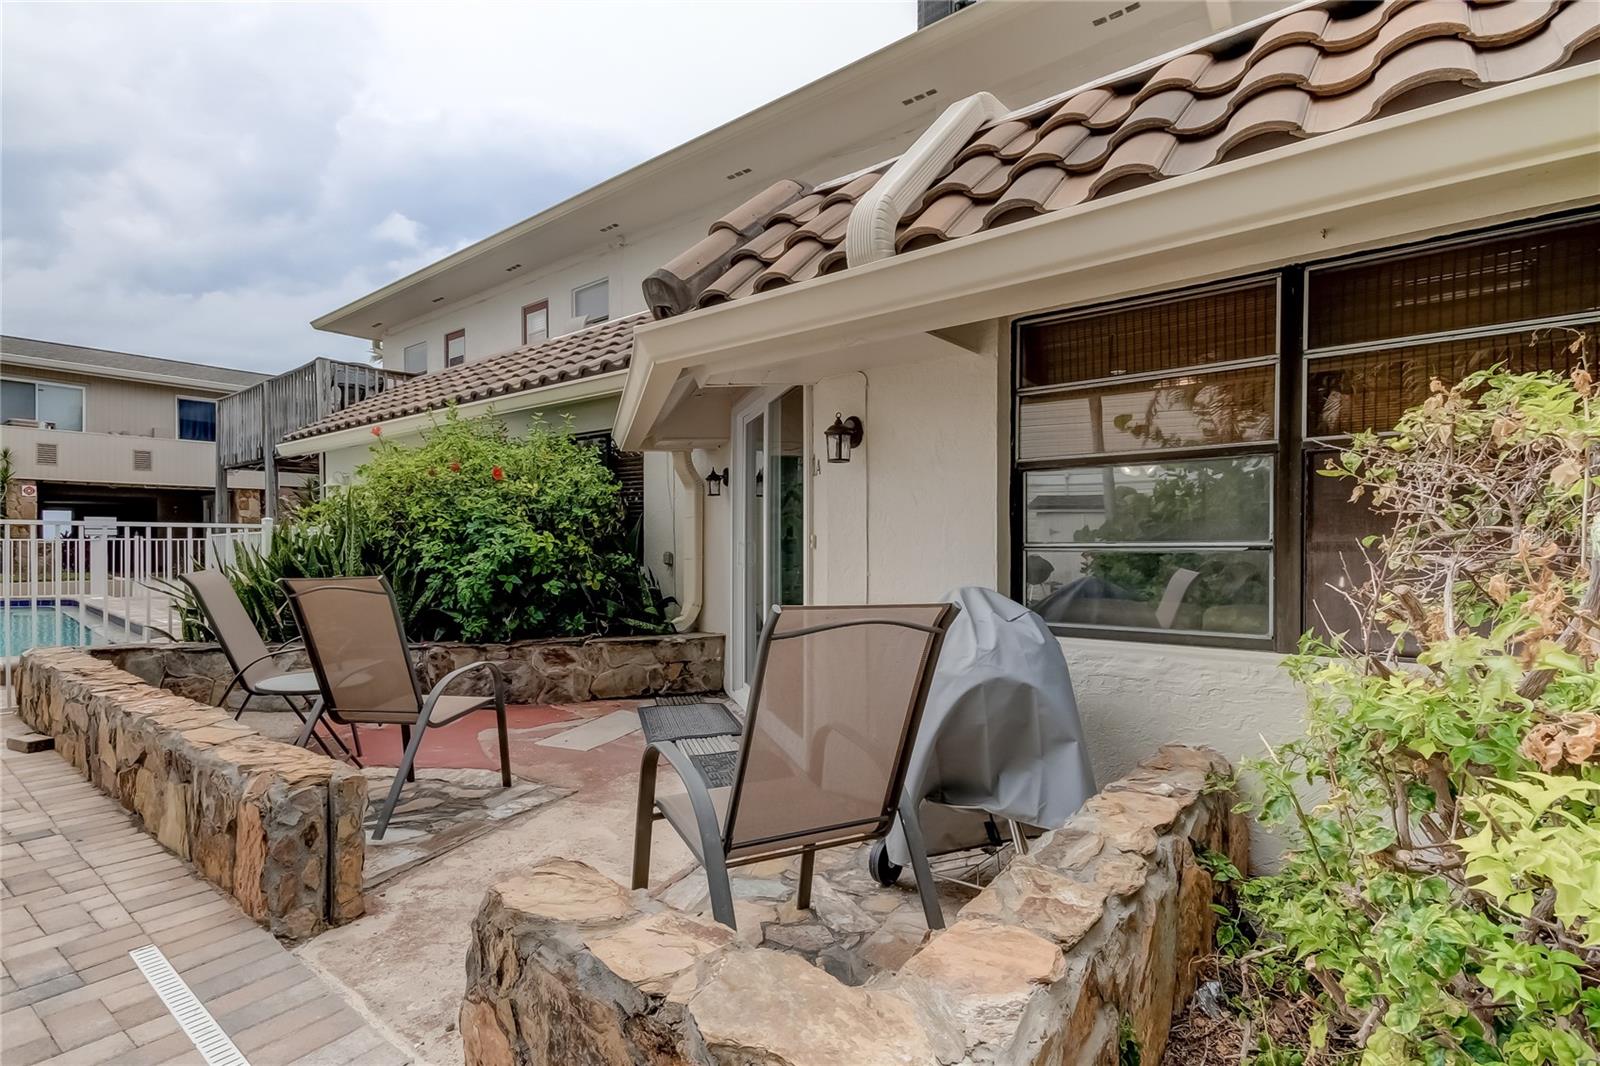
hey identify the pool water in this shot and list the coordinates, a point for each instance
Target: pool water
(37, 626)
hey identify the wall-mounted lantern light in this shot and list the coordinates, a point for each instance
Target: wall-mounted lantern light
(843, 435)
(715, 481)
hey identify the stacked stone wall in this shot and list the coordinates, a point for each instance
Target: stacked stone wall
(277, 827)
(1075, 955)
(536, 671)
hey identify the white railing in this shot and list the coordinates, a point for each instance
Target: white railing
(103, 582)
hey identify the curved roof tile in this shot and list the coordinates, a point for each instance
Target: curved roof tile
(1308, 73)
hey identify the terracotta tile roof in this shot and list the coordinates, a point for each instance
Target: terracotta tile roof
(583, 353)
(1308, 73)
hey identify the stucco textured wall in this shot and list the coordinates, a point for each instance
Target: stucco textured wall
(1135, 697)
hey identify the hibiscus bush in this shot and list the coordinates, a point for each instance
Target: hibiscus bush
(485, 537)
(1441, 903)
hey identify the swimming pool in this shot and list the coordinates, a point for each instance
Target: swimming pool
(40, 624)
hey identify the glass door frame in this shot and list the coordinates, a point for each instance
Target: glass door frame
(742, 631)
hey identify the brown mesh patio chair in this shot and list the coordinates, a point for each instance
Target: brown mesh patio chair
(252, 662)
(362, 661)
(834, 708)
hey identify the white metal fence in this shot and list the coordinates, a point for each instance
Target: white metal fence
(103, 582)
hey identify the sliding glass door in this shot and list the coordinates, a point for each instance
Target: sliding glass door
(770, 520)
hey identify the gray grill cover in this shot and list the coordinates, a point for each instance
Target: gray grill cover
(1000, 733)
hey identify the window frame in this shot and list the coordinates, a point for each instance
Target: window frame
(1292, 447)
(1278, 521)
(537, 305)
(83, 399)
(177, 412)
(606, 281)
(453, 335)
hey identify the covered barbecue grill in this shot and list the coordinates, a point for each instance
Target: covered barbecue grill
(1000, 739)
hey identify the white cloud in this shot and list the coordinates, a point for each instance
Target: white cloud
(200, 181)
(398, 229)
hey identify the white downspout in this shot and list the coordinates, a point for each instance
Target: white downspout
(688, 532)
(869, 234)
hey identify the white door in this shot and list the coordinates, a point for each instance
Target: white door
(769, 476)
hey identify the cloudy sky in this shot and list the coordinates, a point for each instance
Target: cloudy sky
(199, 181)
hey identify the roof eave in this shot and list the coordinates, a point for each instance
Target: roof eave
(1543, 129)
(590, 387)
(92, 370)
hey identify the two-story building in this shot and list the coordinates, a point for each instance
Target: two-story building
(538, 318)
(97, 433)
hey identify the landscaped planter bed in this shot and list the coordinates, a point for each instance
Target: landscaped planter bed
(1077, 953)
(569, 670)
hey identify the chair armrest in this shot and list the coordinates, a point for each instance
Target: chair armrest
(694, 783)
(438, 689)
(297, 643)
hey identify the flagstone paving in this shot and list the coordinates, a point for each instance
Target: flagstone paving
(80, 886)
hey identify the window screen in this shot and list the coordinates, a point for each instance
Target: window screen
(1521, 277)
(535, 322)
(1151, 337)
(455, 348)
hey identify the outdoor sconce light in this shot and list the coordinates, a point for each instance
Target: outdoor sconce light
(844, 434)
(714, 482)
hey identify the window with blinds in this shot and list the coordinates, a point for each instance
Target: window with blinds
(1147, 432)
(1151, 454)
(1379, 330)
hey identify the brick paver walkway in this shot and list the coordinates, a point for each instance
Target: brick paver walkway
(80, 886)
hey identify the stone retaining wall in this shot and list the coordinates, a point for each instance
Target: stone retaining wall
(537, 671)
(277, 827)
(1075, 953)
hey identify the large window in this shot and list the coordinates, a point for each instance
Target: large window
(60, 406)
(455, 348)
(197, 419)
(1166, 449)
(1147, 434)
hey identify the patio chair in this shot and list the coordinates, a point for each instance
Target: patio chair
(834, 707)
(250, 658)
(364, 672)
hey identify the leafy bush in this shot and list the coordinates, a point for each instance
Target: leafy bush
(484, 536)
(1445, 897)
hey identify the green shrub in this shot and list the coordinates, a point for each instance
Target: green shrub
(1445, 896)
(485, 537)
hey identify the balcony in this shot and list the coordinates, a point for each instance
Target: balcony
(109, 458)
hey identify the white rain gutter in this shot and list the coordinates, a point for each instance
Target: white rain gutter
(689, 534)
(869, 234)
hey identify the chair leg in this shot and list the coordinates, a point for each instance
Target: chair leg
(242, 704)
(401, 775)
(644, 819)
(717, 882)
(505, 744)
(911, 825)
(355, 737)
(808, 864)
(311, 721)
(405, 740)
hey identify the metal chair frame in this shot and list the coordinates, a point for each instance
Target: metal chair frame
(251, 692)
(717, 841)
(410, 732)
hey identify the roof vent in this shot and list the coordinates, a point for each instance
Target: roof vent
(44, 454)
(738, 174)
(1118, 13)
(513, 266)
(141, 459)
(608, 229)
(438, 299)
(908, 101)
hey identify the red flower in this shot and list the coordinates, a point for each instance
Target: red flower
(498, 474)
(377, 431)
(456, 467)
